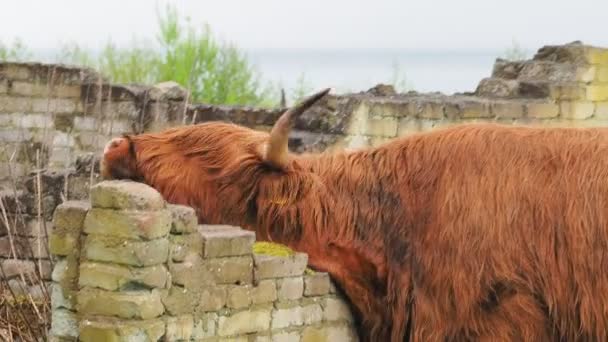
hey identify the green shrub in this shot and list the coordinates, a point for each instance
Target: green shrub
(215, 72)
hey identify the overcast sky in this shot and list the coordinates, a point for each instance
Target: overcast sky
(425, 24)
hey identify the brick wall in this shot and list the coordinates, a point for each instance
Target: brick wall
(129, 266)
(55, 120)
(50, 114)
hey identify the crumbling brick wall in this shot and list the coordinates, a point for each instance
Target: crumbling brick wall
(50, 114)
(55, 120)
(131, 267)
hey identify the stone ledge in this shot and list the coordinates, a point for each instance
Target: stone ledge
(127, 304)
(70, 215)
(113, 277)
(267, 266)
(125, 195)
(184, 219)
(183, 246)
(128, 224)
(226, 242)
(127, 252)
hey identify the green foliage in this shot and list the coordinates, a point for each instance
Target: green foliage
(515, 52)
(215, 72)
(17, 51)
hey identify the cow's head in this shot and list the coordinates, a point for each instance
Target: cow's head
(212, 166)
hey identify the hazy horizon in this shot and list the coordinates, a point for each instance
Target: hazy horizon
(440, 45)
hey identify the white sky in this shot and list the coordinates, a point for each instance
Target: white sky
(425, 24)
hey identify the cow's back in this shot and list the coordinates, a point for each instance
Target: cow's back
(512, 219)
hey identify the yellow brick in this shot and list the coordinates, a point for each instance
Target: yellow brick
(576, 109)
(507, 109)
(586, 74)
(601, 110)
(542, 110)
(597, 56)
(602, 74)
(597, 92)
(571, 91)
(474, 109)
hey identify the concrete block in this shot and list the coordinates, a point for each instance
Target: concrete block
(61, 297)
(296, 316)
(290, 288)
(205, 326)
(542, 110)
(231, 270)
(113, 277)
(212, 298)
(64, 323)
(507, 109)
(15, 267)
(55, 105)
(179, 328)
(601, 110)
(85, 123)
(343, 333)
(34, 121)
(184, 219)
(381, 126)
(336, 310)
(11, 104)
(578, 110)
(96, 329)
(128, 224)
(244, 322)
(474, 109)
(239, 297)
(264, 292)
(183, 245)
(192, 273)
(65, 271)
(178, 300)
(229, 242)
(317, 284)
(62, 243)
(140, 304)
(267, 266)
(602, 74)
(571, 91)
(69, 216)
(127, 252)
(597, 92)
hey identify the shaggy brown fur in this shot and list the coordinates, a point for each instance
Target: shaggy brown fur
(475, 232)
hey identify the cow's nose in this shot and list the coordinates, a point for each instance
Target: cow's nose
(112, 144)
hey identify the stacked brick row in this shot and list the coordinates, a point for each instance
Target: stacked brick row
(40, 108)
(58, 112)
(561, 86)
(131, 267)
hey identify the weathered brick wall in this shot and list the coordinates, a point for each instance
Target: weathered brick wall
(55, 120)
(50, 114)
(565, 85)
(131, 267)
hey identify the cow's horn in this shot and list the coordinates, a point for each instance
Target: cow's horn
(276, 151)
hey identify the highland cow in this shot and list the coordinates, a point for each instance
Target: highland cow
(475, 232)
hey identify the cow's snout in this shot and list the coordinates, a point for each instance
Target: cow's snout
(112, 144)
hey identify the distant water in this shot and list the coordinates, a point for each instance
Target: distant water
(360, 69)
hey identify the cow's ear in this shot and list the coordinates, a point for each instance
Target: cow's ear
(276, 151)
